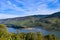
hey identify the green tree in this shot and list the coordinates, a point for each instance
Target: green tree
(31, 36)
(23, 36)
(51, 37)
(3, 27)
(40, 36)
(3, 31)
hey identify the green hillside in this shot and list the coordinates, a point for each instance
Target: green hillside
(48, 22)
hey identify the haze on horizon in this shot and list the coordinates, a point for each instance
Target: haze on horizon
(19, 8)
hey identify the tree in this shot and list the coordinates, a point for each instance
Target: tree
(3, 32)
(31, 36)
(23, 35)
(3, 27)
(40, 36)
(51, 37)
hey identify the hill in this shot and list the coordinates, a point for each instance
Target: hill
(22, 21)
(52, 22)
(48, 22)
(57, 15)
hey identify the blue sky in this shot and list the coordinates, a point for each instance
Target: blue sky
(19, 8)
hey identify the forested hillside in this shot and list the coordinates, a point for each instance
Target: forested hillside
(48, 22)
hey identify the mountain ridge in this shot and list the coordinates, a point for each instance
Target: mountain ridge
(57, 14)
(51, 22)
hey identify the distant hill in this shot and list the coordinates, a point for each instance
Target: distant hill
(48, 22)
(22, 20)
(52, 22)
(57, 15)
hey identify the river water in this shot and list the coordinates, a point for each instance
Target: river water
(45, 32)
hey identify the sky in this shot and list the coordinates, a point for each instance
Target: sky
(20, 8)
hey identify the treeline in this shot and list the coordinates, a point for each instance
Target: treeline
(5, 35)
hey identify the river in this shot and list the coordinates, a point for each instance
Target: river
(26, 30)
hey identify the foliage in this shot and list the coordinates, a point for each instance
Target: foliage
(5, 35)
(51, 23)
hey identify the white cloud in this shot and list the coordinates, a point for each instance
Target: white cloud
(14, 7)
(3, 16)
(9, 5)
(40, 7)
